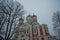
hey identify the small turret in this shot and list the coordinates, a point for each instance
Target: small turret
(21, 20)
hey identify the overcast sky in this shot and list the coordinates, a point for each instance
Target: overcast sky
(44, 10)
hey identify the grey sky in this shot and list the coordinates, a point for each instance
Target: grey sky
(44, 10)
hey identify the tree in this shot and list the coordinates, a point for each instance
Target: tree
(10, 11)
(56, 23)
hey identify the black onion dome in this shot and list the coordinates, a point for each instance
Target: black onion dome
(29, 15)
(34, 15)
(21, 19)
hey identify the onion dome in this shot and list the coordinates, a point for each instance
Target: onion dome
(29, 15)
(34, 15)
(21, 19)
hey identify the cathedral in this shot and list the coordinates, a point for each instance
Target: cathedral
(31, 29)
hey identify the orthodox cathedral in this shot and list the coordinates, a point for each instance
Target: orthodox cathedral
(31, 29)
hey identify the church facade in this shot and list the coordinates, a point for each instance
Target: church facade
(31, 29)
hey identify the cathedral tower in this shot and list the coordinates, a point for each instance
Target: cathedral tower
(34, 18)
(28, 18)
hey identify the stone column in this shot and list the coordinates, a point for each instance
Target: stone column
(31, 34)
(38, 28)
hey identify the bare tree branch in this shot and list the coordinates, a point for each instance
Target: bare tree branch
(11, 11)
